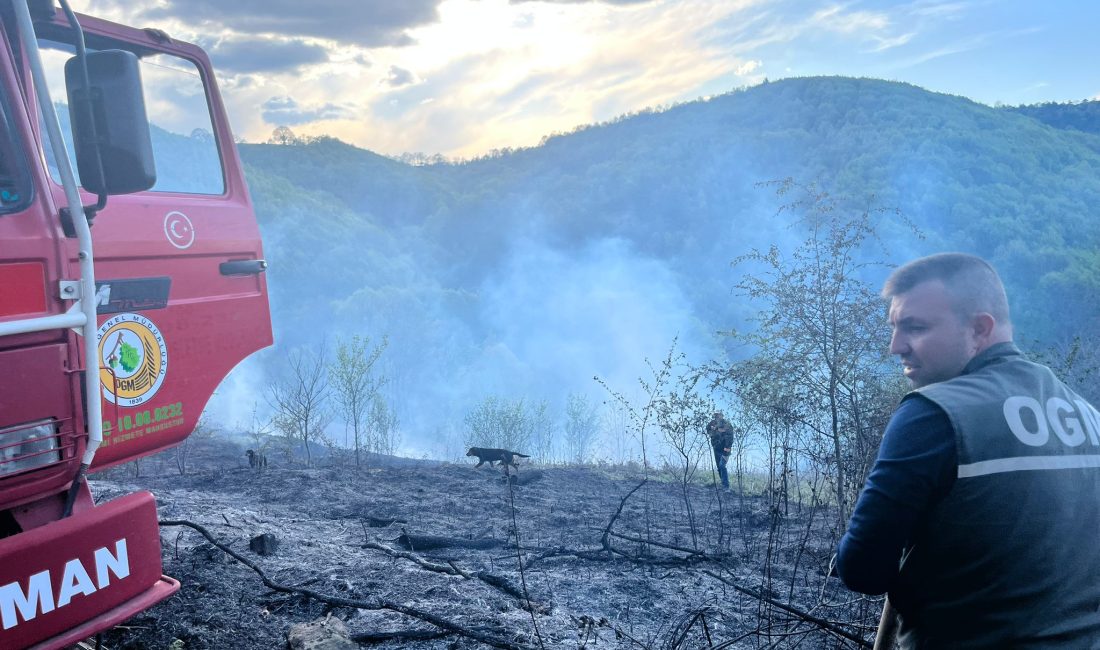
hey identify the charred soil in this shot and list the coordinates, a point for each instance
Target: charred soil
(428, 557)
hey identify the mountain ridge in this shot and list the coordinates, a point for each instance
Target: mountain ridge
(452, 260)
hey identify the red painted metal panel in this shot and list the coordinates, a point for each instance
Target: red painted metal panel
(35, 385)
(180, 353)
(164, 588)
(62, 575)
(22, 288)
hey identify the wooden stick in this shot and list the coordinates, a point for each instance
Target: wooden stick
(887, 633)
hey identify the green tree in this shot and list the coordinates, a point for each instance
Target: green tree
(382, 426)
(499, 422)
(356, 386)
(821, 327)
(582, 421)
(543, 429)
(681, 416)
(285, 136)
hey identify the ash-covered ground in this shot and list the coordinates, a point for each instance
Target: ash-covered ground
(431, 550)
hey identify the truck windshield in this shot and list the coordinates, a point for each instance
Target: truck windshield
(185, 149)
(15, 190)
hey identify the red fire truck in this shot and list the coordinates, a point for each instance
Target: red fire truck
(131, 283)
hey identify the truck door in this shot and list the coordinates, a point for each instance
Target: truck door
(179, 268)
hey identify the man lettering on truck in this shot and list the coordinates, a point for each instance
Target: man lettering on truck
(981, 514)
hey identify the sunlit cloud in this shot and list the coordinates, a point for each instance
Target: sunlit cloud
(1031, 88)
(287, 111)
(941, 10)
(838, 19)
(746, 68)
(574, 2)
(563, 67)
(398, 77)
(887, 43)
(462, 77)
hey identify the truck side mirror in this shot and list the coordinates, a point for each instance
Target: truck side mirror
(115, 105)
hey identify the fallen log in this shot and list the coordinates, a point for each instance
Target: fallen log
(432, 542)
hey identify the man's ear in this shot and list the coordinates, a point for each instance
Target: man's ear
(982, 325)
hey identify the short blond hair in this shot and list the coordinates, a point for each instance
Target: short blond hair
(972, 282)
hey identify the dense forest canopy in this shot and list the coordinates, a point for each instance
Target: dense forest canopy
(527, 272)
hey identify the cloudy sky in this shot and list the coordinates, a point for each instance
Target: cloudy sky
(461, 77)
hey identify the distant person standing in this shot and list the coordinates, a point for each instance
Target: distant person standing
(981, 515)
(721, 439)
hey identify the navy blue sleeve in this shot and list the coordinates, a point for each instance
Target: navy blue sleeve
(915, 468)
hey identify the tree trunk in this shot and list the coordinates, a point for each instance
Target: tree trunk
(841, 503)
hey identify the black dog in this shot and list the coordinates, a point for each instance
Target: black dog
(503, 456)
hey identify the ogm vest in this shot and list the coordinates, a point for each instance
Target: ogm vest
(1010, 558)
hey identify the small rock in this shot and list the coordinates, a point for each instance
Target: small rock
(327, 633)
(265, 544)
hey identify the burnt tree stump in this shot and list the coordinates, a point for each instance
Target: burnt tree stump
(265, 544)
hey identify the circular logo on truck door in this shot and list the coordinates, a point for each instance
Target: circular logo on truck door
(179, 230)
(133, 359)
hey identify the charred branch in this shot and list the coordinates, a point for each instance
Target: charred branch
(805, 616)
(495, 581)
(368, 638)
(692, 554)
(605, 540)
(449, 569)
(382, 522)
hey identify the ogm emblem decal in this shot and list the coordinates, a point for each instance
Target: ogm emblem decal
(133, 359)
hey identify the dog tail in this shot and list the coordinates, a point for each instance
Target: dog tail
(520, 455)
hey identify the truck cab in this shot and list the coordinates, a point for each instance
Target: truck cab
(131, 283)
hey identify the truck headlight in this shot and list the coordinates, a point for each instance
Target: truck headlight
(27, 446)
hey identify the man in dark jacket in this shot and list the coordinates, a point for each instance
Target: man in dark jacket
(981, 515)
(721, 439)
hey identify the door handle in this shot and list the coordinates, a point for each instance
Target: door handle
(243, 267)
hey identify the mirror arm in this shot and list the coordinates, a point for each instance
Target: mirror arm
(90, 211)
(82, 57)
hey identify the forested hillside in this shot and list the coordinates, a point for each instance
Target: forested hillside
(526, 273)
(1082, 116)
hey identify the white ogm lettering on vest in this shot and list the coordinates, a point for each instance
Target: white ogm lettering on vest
(1056, 406)
(1090, 417)
(1031, 423)
(1013, 410)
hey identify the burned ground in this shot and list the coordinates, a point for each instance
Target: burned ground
(418, 542)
